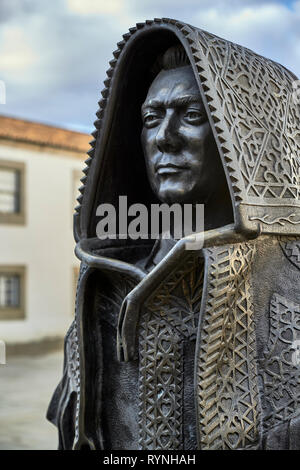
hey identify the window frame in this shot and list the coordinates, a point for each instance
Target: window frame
(15, 313)
(16, 218)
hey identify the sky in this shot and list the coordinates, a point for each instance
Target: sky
(53, 55)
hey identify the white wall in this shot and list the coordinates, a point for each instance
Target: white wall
(44, 244)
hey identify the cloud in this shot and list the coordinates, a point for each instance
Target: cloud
(92, 7)
(54, 54)
(10, 9)
(17, 55)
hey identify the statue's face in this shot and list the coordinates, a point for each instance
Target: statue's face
(181, 155)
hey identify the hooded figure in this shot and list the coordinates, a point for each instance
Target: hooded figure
(189, 349)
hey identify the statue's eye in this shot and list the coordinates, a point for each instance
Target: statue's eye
(150, 120)
(194, 117)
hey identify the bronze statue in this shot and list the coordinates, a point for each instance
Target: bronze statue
(188, 349)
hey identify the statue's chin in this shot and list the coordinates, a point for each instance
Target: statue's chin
(170, 196)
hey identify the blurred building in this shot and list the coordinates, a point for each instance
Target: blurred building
(40, 168)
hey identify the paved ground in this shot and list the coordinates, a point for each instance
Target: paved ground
(26, 386)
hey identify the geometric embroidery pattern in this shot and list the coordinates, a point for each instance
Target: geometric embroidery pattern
(160, 419)
(228, 408)
(171, 316)
(258, 131)
(281, 363)
(291, 249)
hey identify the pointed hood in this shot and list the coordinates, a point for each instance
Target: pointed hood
(251, 110)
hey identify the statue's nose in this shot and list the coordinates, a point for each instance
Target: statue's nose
(167, 137)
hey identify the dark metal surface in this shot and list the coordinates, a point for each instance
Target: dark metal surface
(178, 349)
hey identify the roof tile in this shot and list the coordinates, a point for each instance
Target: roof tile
(43, 134)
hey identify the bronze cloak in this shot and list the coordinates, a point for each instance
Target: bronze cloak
(237, 298)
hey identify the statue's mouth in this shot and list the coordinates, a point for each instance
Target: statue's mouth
(170, 168)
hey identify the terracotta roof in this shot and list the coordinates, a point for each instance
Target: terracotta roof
(43, 134)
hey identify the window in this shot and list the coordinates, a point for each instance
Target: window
(9, 290)
(9, 190)
(12, 192)
(12, 292)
